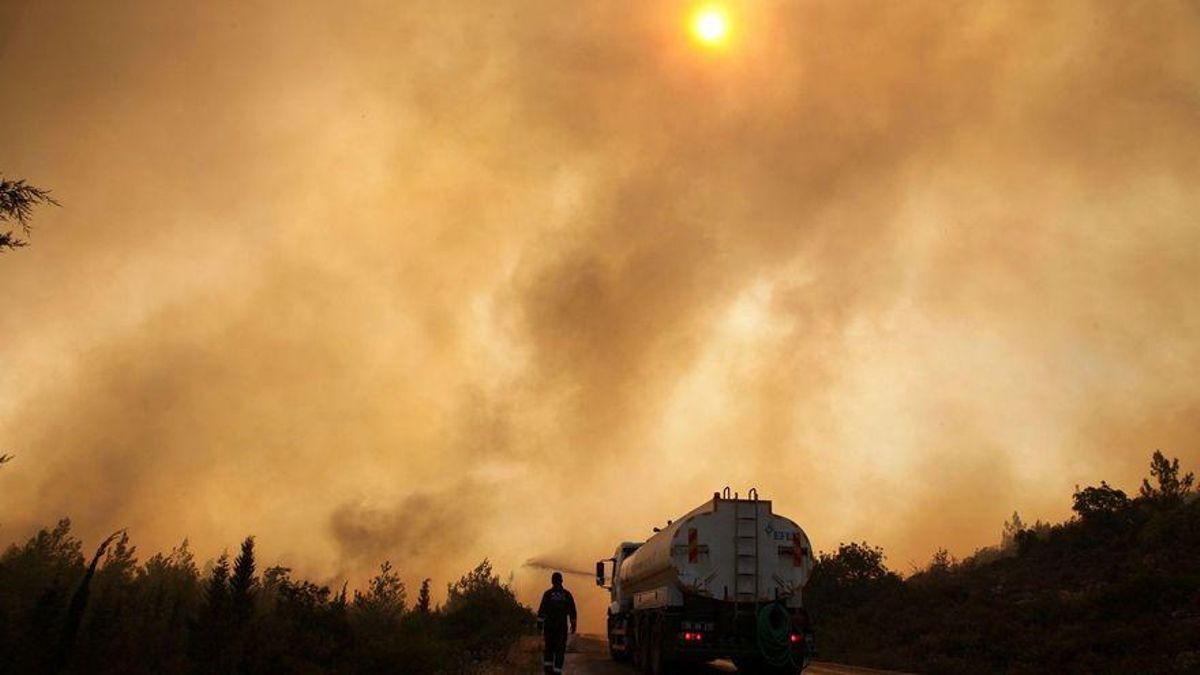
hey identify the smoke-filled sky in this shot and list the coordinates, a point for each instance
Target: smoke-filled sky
(438, 280)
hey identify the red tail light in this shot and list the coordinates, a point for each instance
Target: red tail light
(689, 636)
(796, 638)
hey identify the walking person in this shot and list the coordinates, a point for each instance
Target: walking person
(557, 608)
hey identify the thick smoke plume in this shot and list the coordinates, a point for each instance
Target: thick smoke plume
(435, 281)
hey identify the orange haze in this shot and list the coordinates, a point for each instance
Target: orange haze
(438, 280)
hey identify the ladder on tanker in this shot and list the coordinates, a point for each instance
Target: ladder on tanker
(745, 547)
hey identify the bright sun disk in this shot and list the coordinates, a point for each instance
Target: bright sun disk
(710, 26)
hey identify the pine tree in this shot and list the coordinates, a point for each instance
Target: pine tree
(339, 601)
(1171, 488)
(942, 561)
(385, 594)
(1008, 538)
(210, 635)
(424, 602)
(216, 594)
(243, 584)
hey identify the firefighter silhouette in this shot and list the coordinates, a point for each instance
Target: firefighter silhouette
(558, 606)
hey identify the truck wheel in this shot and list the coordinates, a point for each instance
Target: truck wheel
(621, 655)
(641, 648)
(658, 664)
(625, 652)
(643, 656)
(655, 665)
(649, 649)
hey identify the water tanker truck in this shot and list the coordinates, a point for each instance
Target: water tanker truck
(723, 581)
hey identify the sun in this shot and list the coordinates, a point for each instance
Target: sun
(710, 26)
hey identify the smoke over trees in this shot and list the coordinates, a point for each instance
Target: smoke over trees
(509, 276)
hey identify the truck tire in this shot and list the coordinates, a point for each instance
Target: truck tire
(649, 649)
(643, 653)
(640, 651)
(620, 655)
(657, 662)
(625, 653)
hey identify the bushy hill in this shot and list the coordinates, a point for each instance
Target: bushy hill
(1114, 589)
(62, 613)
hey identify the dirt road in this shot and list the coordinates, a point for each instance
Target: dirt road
(590, 657)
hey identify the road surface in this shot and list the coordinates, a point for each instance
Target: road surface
(589, 656)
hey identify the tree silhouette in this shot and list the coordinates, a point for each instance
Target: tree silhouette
(424, 602)
(1093, 502)
(385, 596)
(165, 596)
(854, 563)
(17, 199)
(481, 610)
(210, 638)
(1171, 488)
(79, 602)
(243, 583)
(1012, 528)
(216, 594)
(942, 561)
(852, 573)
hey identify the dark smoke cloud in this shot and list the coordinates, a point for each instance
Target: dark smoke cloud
(420, 528)
(434, 281)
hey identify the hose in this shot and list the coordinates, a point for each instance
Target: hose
(775, 635)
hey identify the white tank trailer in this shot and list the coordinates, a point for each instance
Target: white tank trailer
(723, 581)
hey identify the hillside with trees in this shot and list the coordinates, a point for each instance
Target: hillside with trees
(60, 612)
(1114, 589)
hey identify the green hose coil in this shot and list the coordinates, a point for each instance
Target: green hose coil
(775, 635)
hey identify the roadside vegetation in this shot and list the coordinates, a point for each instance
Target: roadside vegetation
(60, 612)
(1114, 589)
(17, 201)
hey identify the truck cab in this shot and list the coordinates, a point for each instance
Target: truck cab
(607, 574)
